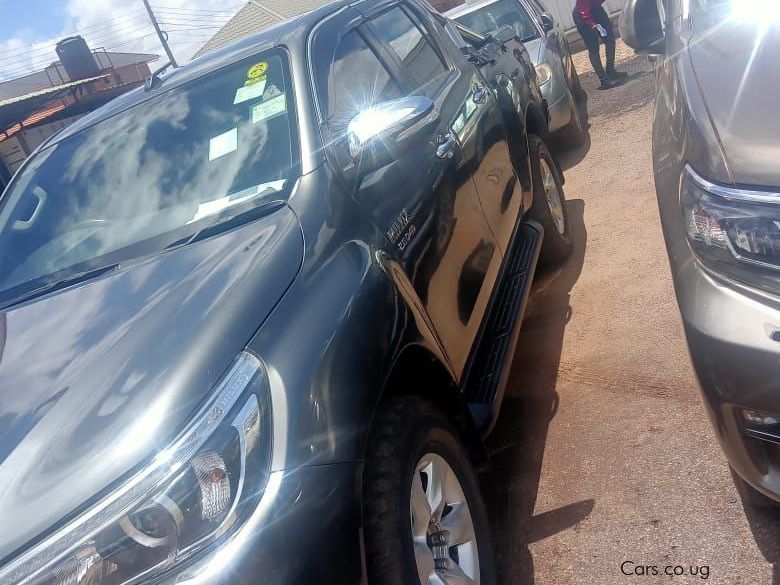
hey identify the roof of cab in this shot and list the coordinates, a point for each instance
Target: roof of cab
(291, 34)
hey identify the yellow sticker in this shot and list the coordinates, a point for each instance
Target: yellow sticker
(257, 70)
(249, 82)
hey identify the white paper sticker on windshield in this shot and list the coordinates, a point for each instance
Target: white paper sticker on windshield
(269, 109)
(249, 92)
(223, 144)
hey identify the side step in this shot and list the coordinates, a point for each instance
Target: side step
(489, 365)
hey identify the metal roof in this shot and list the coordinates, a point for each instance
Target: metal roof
(48, 90)
(55, 73)
(256, 16)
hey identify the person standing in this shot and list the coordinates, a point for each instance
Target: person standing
(594, 25)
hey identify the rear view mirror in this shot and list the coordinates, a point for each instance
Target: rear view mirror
(548, 23)
(641, 26)
(385, 121)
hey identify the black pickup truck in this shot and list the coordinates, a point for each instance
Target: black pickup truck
(258, 315)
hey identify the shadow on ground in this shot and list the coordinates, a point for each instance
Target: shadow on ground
(517, 444)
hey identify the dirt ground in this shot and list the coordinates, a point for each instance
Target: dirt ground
(603, 453)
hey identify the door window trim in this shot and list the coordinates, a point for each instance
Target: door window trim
(536, 18)
(430, 36)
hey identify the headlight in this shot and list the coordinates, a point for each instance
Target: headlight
(543, 74)
(188, 497)
(734, 232)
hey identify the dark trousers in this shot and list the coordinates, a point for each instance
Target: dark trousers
(591, 38)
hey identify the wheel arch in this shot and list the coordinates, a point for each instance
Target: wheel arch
(536, 121)
(536, 124)
(418, 372)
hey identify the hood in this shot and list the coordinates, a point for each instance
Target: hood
(96, 379)
(737, 72)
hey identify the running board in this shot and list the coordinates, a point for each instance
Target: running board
(489, 365)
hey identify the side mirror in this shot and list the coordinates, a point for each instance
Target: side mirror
(641, 27)
(548, 23)
(374, 132)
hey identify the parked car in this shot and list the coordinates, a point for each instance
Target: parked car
(549, 50)
(715, 152)
(257, 315)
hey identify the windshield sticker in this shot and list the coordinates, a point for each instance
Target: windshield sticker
(223, 144)
(257, 70)
(249, 92)
(269, 109)
(271, 92)
(262, 80)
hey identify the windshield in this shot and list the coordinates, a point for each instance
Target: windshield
(492, 17)
(150, 177)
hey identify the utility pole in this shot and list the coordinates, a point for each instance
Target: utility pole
(161, 34)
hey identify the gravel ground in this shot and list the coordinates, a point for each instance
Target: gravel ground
(603, 452)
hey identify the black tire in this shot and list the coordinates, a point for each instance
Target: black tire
(575, 85)
(557, 246)
(575, 134)
(405, 430)
(751, 496)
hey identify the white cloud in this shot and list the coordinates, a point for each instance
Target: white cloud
(119, 25)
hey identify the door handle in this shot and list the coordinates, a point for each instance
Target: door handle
(446, 147)
(480, 94)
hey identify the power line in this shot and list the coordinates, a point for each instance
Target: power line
(127, 42)
(168, 20)
(193, 21)
(43, 57)
(161, 8)
(185, 28)
(25, 51)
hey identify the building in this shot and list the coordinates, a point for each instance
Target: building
(257, 15)
(35, 106)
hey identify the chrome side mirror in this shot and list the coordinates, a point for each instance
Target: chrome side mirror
(641, 26)
(384, 119)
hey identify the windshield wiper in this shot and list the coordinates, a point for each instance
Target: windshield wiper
(53, 286)
(228, 220)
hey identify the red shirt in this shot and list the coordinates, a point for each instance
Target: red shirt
(585, 9)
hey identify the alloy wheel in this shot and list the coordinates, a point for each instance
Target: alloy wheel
(444, 539)
(553, 196)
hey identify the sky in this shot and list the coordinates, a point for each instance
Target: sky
(31, 28)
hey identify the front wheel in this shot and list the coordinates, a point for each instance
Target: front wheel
(549, 204)
(575, 133)
(576, 87)
(424, 519)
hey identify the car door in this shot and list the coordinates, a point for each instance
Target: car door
(553, 40)
(424, 199)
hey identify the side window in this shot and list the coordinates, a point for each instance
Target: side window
(357, 80)
(421, 63)
(539, 6)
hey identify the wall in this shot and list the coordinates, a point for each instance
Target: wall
(561, 10)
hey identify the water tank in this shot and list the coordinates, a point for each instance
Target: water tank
(77, 59)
